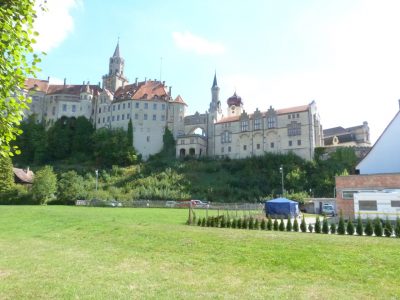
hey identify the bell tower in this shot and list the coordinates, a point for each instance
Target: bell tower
(115, 77)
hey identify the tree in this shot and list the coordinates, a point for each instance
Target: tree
(295, 225)
(130, 133)
(82, 130)
(70, 187)
(341, 226)
(276, 225)
(269, 223)
(333, 228)
(318, 225)
(281, 225)
(388, 228)
(350, 227)
(325, 226)
(6, 174)
(359, 228)
(378, 230)
(397, 227)
(44, 185)
(17, 63)
(59, 137)
(369, 229)
(310, 228)
(303, 225)
(289, 225)
(263, 224)
(169, 142)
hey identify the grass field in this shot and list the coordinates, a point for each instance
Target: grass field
(105, 253)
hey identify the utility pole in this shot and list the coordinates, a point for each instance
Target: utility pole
(283, 186)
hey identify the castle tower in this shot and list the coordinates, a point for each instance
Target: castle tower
(215, 104)
(214, 114)
(115, 77)
(235, 105)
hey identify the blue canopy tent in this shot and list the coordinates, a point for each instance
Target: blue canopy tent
(282, 207)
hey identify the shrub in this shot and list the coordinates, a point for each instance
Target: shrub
(251, 223)
(333, 228)
(295, 225)
(359, 227)
(350, 227)
(325, 226)
(341, 226)
(303, 225)
(276, 225)
(388, 228)
(203, 222)
(199, 222)
(369, 228)
(397, 227)
(317, 225)
(223, 222)
(263, 224)
(228, 223)
(310, 228)
(233, 224)
(245, 223)
(239, 224)
(269, 223)
(257, 224)
(208, 223)
(44, 185)
(289, 225)
(378, 230)
(281, 225)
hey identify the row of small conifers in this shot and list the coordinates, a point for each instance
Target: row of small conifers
(377, 226)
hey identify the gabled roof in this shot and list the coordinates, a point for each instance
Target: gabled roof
(179, 99)
(334, 131)
(36, 84)
(72, 89)
(23, 176)
(145, 90)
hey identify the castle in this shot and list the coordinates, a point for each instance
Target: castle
(151, 107)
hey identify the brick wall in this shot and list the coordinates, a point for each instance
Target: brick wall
(362, 182)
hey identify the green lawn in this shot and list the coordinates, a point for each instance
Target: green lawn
(106, 253)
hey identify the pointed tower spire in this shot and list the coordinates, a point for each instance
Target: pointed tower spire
(215, 84)
(116, 52)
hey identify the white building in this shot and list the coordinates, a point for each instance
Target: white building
(379, 204)
(151, 107)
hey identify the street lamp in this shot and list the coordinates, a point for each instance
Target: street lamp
(97, 177)
(283, 187)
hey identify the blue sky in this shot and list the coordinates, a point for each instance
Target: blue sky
(345, 55)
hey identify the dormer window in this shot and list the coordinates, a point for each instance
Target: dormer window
(257, 124)
(271, 122)
(244, 125)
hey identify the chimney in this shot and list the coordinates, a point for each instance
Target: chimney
(48, 78)
(136, 80)
(65, 81)
(163, 83)
(169, 92)
(99, 84)
(145, 79)
(83, 83)
(399, 104)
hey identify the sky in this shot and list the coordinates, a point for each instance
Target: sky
(343, 54)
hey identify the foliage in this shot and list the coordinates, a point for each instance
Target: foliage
(263, 224)
(239, 223)
(378, 230)
(6, 174)
(359, 227)
(276, 225)
(295, 225)
(369, 228)
(233, 224)
(303, 225)
(269, 223)
(251, 223)
(17, 62)
(17, 195)
(245, 223)
(388, 229)
(44, 185)
(70, 188)
(281, 225)
(130, 132)
(257, 224)
(333, 228)
(350, 227)
(310, 228)
(397, 228)
(317, 225)
(325, 226)
(341, 226)
(289, 225)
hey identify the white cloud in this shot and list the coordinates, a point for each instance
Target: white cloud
(54, 24)
(199, 45)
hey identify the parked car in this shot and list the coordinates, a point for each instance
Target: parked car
(328, 210)
(170, 203)
(199, 204)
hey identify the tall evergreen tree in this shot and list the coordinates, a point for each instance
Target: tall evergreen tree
(359, 228)
(289, 225)
(263, 224)
(397, 228)
(350, 227)
(276, 225)
(388, 230)
(369, 228)
(130, 132)
(281, 225)
(325, 226)
(303, 225)
(341, 226)
(317, 225)
(295, 225)
(6, 174)
(269, 223)
(378, 229)
(333, 228)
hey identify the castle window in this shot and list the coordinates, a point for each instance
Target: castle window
(229, 149)
(290, 143)
(244, 147)
(192, 140)
(162, 118)
(257, 124)
(113, 118)
(154, 117)
(289, 116)
(226, 137)
(128, 116)
(99, 110)
(148, 138)
(53, 110)
(163, 106)
(109, 109)
(146, 106)
(258, 146)
(119, 106)
(244, 125)
(136, 116)
(108, 119)
(298, 115)
(73, 108)
(154, 105)
(64, 107)
(104, 119)
(98, 121)
(222, 149)
(123, 117)
(298, 142)
(145, 117)
(118, 118)
(271, 122)
(272, 145)
(137, 104)
(123, 106)
(294, 129)
(182, 142)
(129, 105)
(113, 107)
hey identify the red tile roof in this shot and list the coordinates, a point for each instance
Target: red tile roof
(72, 89)
(179, 99)
(145, 90)
(36, 84)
